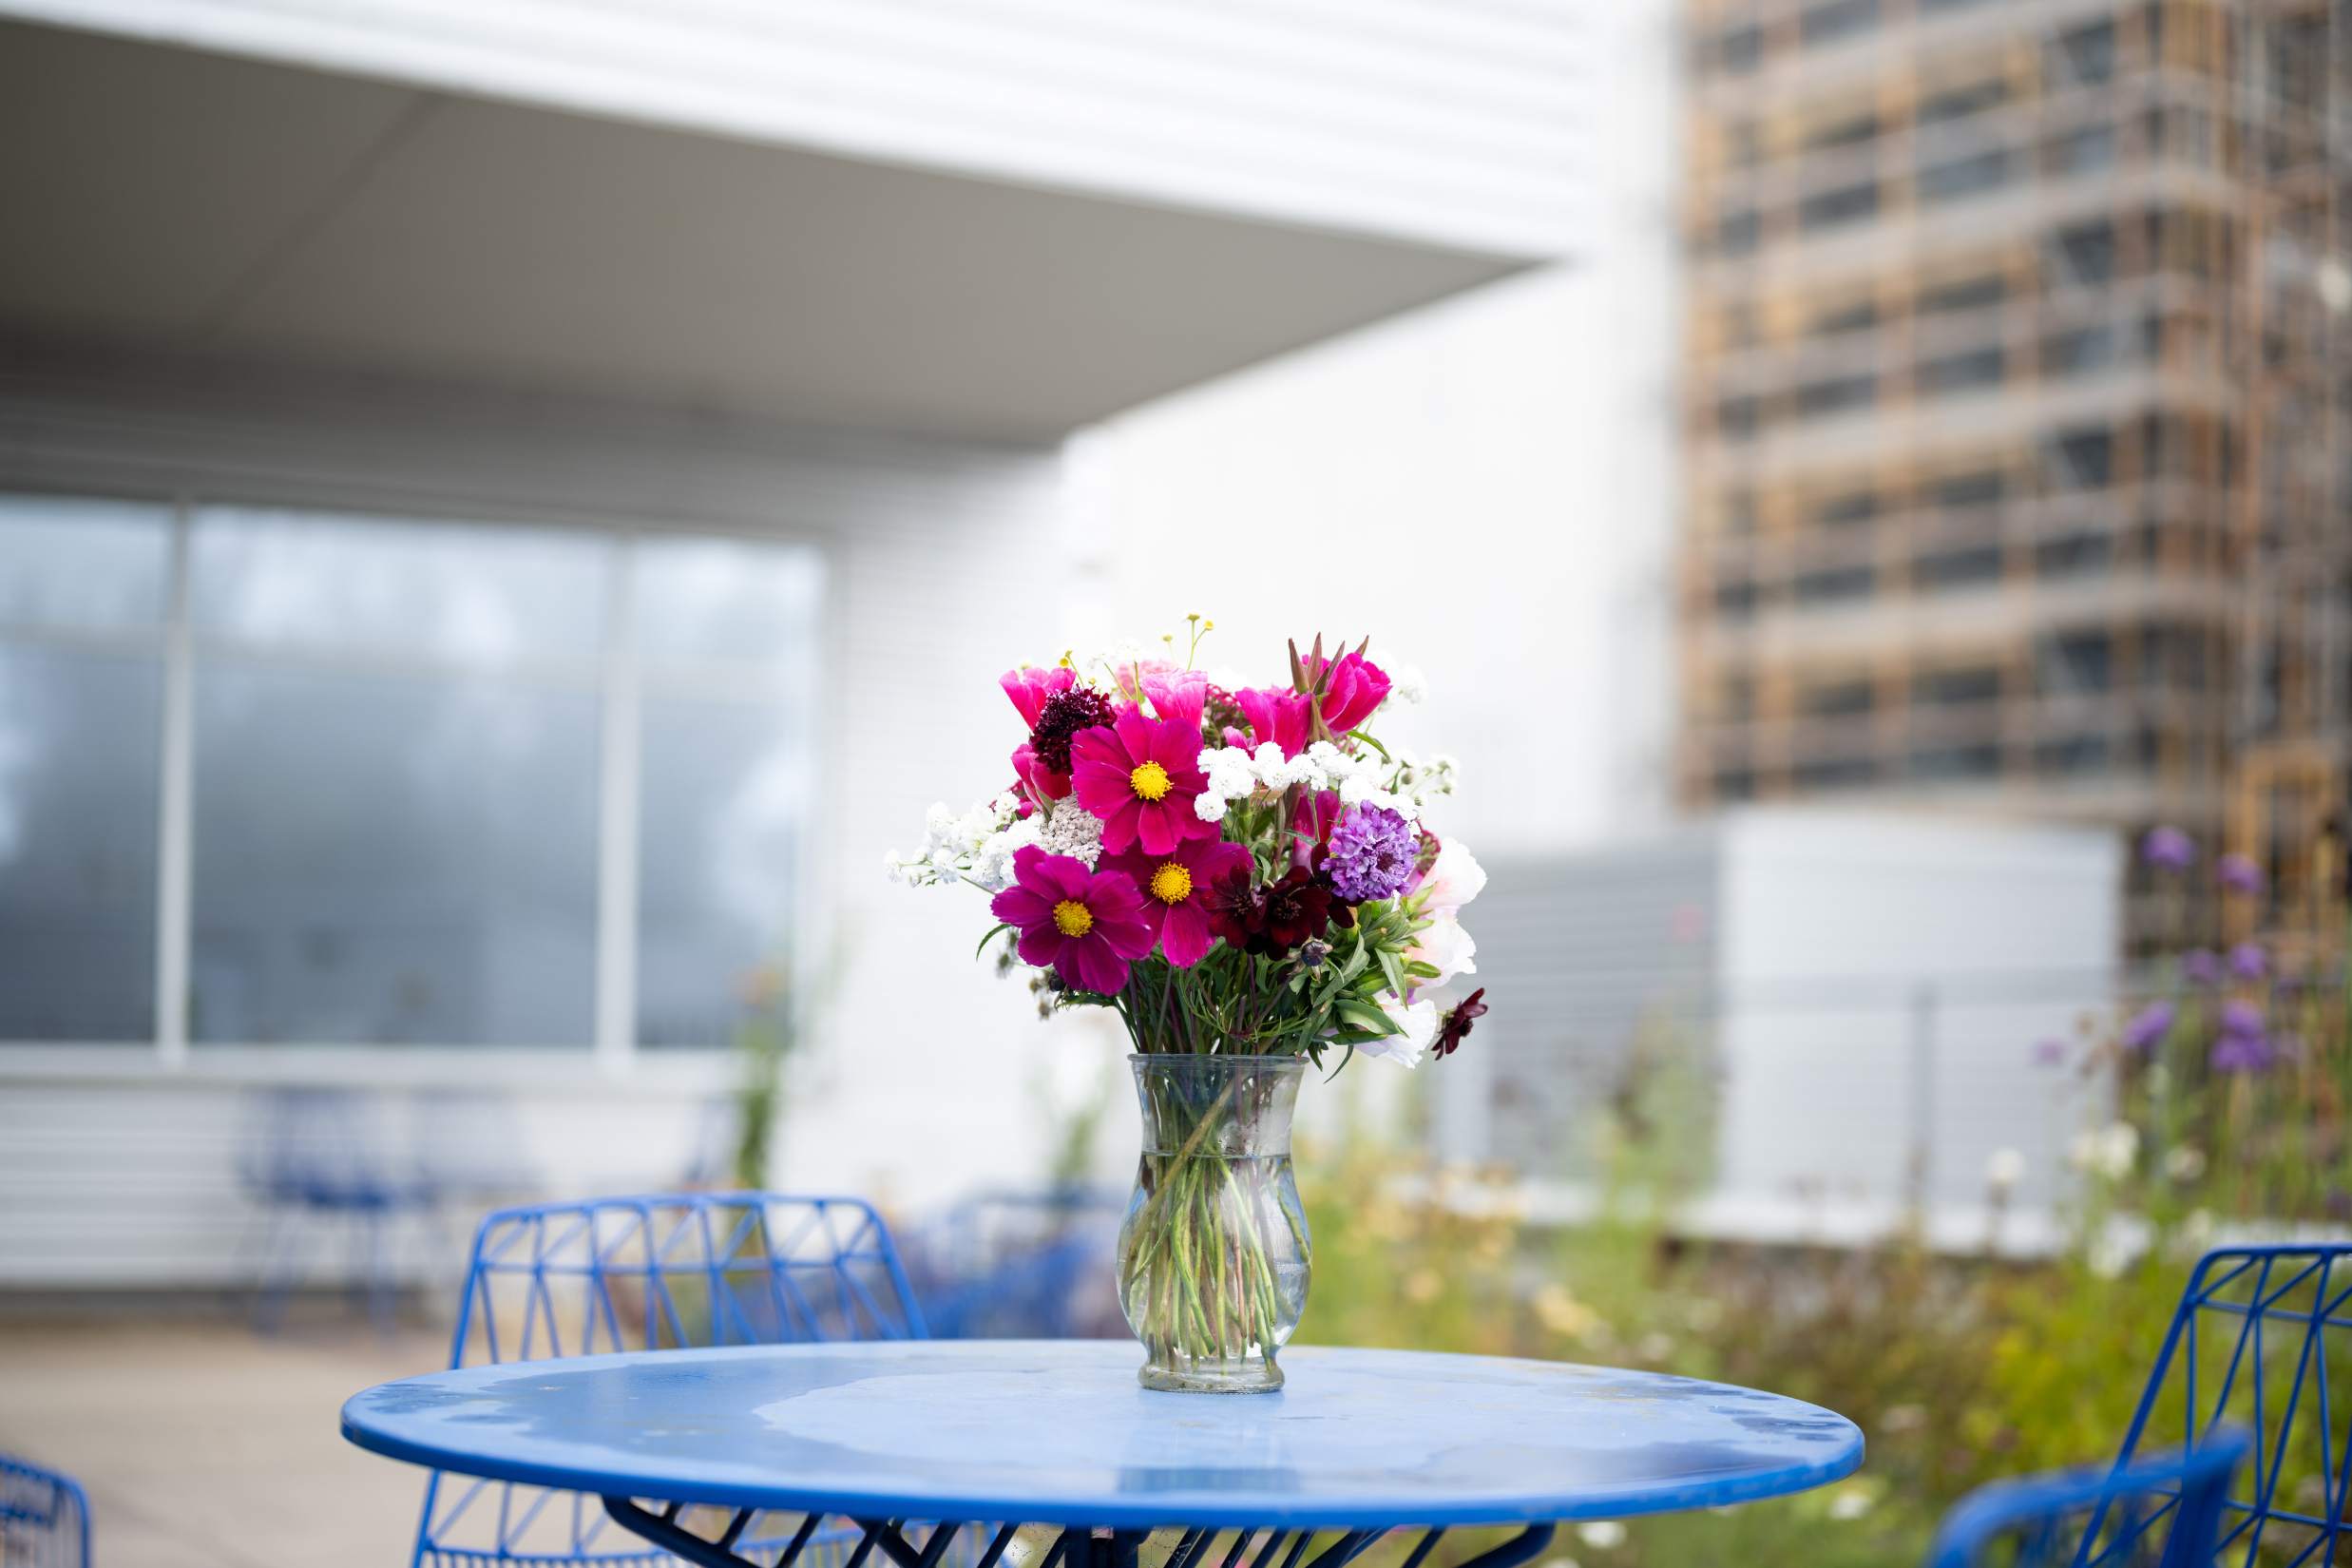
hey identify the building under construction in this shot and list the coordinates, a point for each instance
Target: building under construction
(2018, 413)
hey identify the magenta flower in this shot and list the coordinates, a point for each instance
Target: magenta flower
(1088, 925)
(1141, 776)
(1274, 714)
(1355, 691)
(2238, 875)
(1033, 690)
(2167, 849)
(1175, 892)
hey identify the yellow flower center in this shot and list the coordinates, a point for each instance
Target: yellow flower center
(1073, 918)
(1172, 882)
(1149, 781)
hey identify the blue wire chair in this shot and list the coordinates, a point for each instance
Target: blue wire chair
(45, 1518)
(2159, 1513)
(652, 1273)
(323, 1160)
(1020, 1265)
(2257, 1340)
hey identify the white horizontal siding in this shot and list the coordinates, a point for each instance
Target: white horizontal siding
(1450, 123)
(142, 1185)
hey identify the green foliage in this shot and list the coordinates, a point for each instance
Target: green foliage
(1959, 1371)
(764, 1039)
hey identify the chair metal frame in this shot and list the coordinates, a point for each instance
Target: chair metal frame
(2033, 1521)
(657, 1271)
(2265, 1304)
(45, 1516)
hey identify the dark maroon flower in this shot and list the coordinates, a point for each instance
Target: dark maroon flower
(1273, 919)
(1457, 1020)
(1236, 913)
(1298, 910)
(1061, 717)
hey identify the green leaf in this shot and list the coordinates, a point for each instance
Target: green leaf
(999, 925)
(1365, 1016)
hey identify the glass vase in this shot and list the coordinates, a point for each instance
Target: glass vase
(1214, 1253)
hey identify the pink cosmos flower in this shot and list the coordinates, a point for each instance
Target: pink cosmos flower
(1177, 695)
(1141, 775)
(1176, 890)
(1089, 925)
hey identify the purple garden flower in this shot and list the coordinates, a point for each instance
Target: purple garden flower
(1370, 855)
(2167, 849)
(2200, 968)
(2049, 1052)
(2149, 1025)
(2234, 1053)
(2248, 962)
(2244, 1046)
(2238, 875)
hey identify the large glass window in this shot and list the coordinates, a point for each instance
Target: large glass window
(419, 761)
(726, 641)
(395, 781)
(82, 613)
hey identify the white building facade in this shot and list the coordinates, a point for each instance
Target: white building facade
(506, 512)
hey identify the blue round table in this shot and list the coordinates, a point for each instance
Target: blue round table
(969, 1435)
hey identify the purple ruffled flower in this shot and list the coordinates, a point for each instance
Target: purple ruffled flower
(2248, 962)
(2238, 875)
(2200, 968)
(2149, 1025)
(1371, 855)
(2167, 849)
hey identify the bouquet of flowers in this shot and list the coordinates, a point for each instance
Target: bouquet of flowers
(1245, 874)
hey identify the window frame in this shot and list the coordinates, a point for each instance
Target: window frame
(613, 1051)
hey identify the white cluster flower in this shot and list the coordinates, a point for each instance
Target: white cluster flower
(1421, 779)
(1407, 684)
(1072, 829)
(1233, 775)
(976, 846)
(2111, 1151)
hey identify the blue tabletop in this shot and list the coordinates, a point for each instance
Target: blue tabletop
(1059, 1433)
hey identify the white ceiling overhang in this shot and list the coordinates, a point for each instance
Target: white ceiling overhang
(167, 196)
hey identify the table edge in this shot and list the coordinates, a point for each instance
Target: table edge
(783, 1497)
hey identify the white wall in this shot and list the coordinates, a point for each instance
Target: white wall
(1484, 486)
(1453, 121)
(1885, 979)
